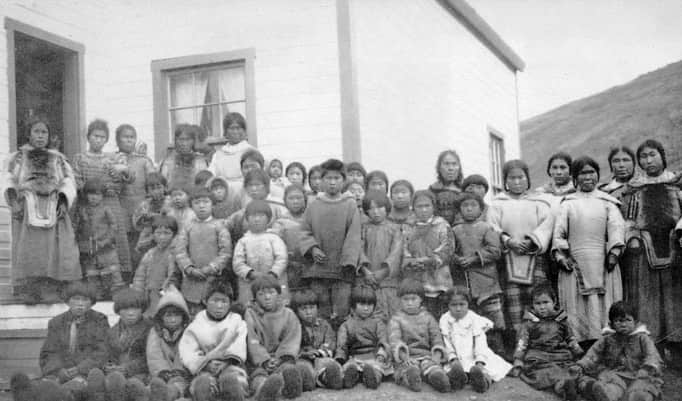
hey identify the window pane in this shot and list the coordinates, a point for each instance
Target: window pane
(183, 116)
(234, 108)
(232, 84)
(188, 89)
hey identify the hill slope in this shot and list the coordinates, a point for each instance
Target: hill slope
(648, 106)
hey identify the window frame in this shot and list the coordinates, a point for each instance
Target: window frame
(495, 136)
(162, 69)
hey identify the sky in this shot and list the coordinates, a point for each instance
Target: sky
(575, 48)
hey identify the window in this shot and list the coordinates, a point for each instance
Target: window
(496, 162)
(201, 90)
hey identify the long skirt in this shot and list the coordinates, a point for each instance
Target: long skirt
(122, 244)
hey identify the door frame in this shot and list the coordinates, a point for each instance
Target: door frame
(74, 84)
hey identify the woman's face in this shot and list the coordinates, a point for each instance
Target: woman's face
(517, 182)
(651, 161)
(126, 141)
(235, 133)
(184, 143)
(39, 137)
(559, 171)
(587, 179)
(449, 168)
(622, 166)
(97, 139)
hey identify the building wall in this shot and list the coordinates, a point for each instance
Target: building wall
(425, 84)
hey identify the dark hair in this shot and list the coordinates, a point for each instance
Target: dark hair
(217, 182)
(441, 156)
(233, 118)
(424, 193)
(252, 154)
(333, 165)
(165, 221)
(653, 144)
(580, 163)
(200, 192)
(257, 175)
(155, 178)
(615, 150)
(362, 294)
(376, 174)
(356, 166)
(174, 188)
(512, 164)
(302, 298)
(295, 187)
(265, 282)
(456, 291)
(475, 179)
(543, 289)
(93, 187)
(316, 168)
(79, 288)
(411, 286)
(379, 198)
(560, 155)
(202, 178)
(129, 298)
(98, 124)
(258, 206)
(186, 129)
(220, 287)
(404, 183)
(298, 165)
(469, 196)
(35, 119)
(622, 309)
(123, 127)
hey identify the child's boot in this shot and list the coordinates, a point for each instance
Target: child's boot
(96, 388)
(332, 376)
(479, 380)
(115, 384)
(158, 390)
(413, 378)
(307, 372)
(371, 376)
(439, 380)
(457, 377)
(602, 391)
(351, 376)
(270, 389)
(136, 390)
(293, 385)
(231, 389)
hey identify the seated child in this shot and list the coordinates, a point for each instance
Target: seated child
(96, 232)
(464, 334)
(155, 204)
(546, 345)
(203, 250)
(401, 198)
(382, 248)
(477, 249)
(157, 264)
(416, 343)
(127, 341)
(289, 227)
(171, 316)
(274, 342)
(213, 348)
(428, 249)
(622, 365)
(477, 184)
(318, 342)
(222, 207)
(361, 345)
(180, 207)
(259, 252)
(277, 182)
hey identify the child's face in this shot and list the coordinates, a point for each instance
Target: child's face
(256, 190)
(79, 304)
(401, 197)
(179, 199)
(356, 176)
(624, 325)
(364, 310)
(97, 139)
(458, 307)
(202, 207)
(163, 236)
(376, 213)
(130, 316)
(423, 209)
(126, 141)
(172, 319)
(470, 209)
(217, 305)
(543, 305)
(446, 208)
(267, 298)
(295, 175)
(248, 165)
(411, 303)
(156, 191)
(307, 313)
(517, 182)
(219, 192)
(477, 189)
(295, 202)
(358, 193)
(377, 184)
(94, 198)
(275, 170)
(315, 181)
(333, 181)
(258, 222)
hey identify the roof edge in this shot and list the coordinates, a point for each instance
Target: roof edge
(463, 11)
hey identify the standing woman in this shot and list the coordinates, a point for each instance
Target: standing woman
(94, 164)
(181, 166)
(41, 190)
(449, 174)
(622, 165)
(588, 240)
(559, 172)
(225, 162)
(652, 204)
(524, 221)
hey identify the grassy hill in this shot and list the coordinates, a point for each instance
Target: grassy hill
(648, 106)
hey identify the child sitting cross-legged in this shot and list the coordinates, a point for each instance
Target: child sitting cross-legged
(464, 334)
(416, 342)
(274, 342)
(318, 341)
(213, 348)
(361, 342)
(622, 365)
(546, 345)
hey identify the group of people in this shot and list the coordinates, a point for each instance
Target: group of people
(233, 277)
